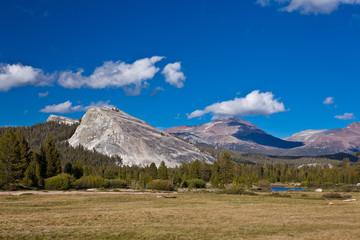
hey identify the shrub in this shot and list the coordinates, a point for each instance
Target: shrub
(347, 188)
(335, 195)
(185, 184)
(196, 183)
(305, 184)
(117, 183)
(264, 184)
(236, 190)
(163, 185)
(276, 194)
(62, 181)
(91, 182)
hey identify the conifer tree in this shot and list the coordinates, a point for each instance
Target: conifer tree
(31, 174)
(68, 168)
(24, 148)
(12, 165)
(226, 168)
(162, 172)
(52, 156)
(41, 164)
(153, 171)
(194, 171)
(78, 169)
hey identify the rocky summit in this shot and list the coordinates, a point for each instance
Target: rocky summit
(62, 120)
(112, 132)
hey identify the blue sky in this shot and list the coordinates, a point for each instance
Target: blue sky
(271, 62)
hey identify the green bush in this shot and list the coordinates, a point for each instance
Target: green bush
(194, 183)
(62, 181)
(91, 182)
(163, 185)
(117, 183)
(305, 184)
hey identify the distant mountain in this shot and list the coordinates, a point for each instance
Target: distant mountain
(60, 119)
(240, 135)
(333, 141)
(233, 134)
(113, 132)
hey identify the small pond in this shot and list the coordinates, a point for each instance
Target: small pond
(280, 189)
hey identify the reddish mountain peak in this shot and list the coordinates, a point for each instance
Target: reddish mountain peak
(355, 127)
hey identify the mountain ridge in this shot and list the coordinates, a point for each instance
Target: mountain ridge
(250, 138)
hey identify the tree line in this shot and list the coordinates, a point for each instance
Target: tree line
(21, 166)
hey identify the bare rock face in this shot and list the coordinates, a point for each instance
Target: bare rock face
(307, 136)
(113, 132)
(60, 119)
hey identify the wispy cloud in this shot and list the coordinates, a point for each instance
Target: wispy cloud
(156, 90)
(174, 75)
(17, 75)
(328, 100)
(254, 104)
(346, 116)
(67, 107)
(42, 95)
(309, 6)
(263, 3)
(131, 77)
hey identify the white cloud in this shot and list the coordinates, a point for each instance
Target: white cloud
(254, 104)
(346, 116)
(328, 100)
(42, 95)
(17, 75)
(66, 107)
(174, 75)
(131, 77)
(310, 6)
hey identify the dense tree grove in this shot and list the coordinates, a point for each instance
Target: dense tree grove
(52, 163)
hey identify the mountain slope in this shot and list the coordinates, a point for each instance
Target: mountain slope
(113, 132)
(233, 134)
(240, 135)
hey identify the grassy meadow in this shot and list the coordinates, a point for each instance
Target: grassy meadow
(189, 216)
(202, 215)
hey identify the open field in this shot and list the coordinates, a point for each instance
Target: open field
(189, 216)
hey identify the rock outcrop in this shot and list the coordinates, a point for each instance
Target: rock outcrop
(60, 119)
(112, 132)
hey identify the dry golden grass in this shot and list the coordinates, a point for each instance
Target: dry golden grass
(189, 216)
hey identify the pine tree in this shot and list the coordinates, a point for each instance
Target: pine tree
(194, 171)
(78, 170)
(24, 148)
(41, 164)
(68, 168)
(153, 171)
(52, 156)
(226, 168)
(162, 172)
(31, 175)
(12, 165)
